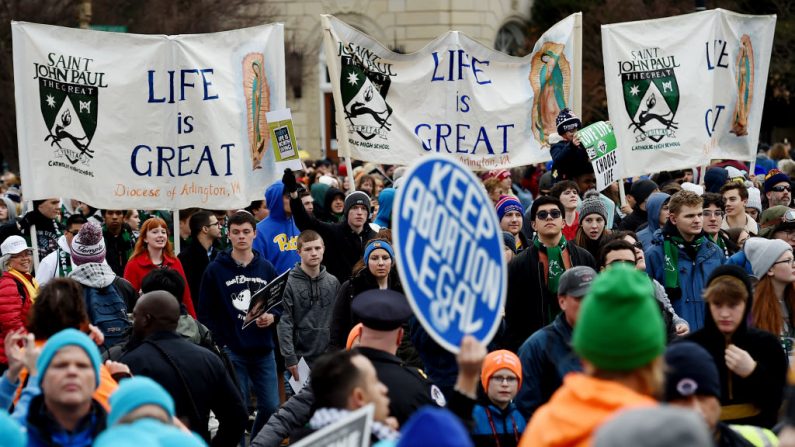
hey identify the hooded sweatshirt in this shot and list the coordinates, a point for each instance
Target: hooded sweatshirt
(577, 409)
(385, 201)
(308, 304)
(226, 292)
(277, 235)
(318, 192)
(330, 195)
(654, 206)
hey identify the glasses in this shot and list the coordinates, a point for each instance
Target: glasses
(638, 245)
(781, 188)
(73, 232)
(544, 215)
(510, 380)
(717, 213)
(790, 261)
(214, 224)
(23, 254)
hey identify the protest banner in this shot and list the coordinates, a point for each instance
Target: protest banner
(600, 142)
(352, 430)
(455, 96)
(683, 90)
(144, 121)
(449, 251)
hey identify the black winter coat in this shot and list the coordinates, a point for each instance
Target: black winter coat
(764, 388)
(344, 248)
(529, 305)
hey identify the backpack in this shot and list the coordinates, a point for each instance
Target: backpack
(107, 310)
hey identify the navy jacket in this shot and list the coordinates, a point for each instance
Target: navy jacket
(226, 292)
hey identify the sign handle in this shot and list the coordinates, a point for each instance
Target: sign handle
(177, 235)
(622, 194)
(752, 168)
(577, 106)
(703, 174)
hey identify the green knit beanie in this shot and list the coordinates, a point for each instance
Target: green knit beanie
(619, 327)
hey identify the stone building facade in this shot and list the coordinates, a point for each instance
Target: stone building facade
(402, 25)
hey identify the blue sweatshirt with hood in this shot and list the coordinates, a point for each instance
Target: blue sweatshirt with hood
(226, 292)
(384, 217)
(653, 207)
(277, 235)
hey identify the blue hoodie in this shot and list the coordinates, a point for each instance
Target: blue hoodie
(385, 201)
(226, 292)
(277, 235)
(653, 207)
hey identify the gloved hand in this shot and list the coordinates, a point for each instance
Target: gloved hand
(290, 184)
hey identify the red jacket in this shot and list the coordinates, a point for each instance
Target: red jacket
(14, 309)
(140, 265)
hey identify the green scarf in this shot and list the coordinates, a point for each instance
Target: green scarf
(554, 261)
(671, 247)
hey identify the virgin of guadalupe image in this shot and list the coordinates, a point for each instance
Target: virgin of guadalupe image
(550, 77)
(257, 94)
(745, 86)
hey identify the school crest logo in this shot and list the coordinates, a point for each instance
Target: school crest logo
(364, 84)
(651, 96)
(70, 113)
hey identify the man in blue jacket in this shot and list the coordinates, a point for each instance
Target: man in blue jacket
(547, 355)
(682, 257)
(277, 235)
(227, 287)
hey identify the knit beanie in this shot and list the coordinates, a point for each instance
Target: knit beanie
(433, 426)
(754, 199)
(68, 337)
(619, 327)
(88, 245)
(592, 204)
(690, 371)
(356, 198)
(714, 178)
(136, 392)
(659, 426)
(642, 189)
(126, 436)
(692, 187)
(497, 360)
(773, 177)
(567, 121)
(11, 433)
(506, 204)
(545, 181)
(378, 244)
(762, 253)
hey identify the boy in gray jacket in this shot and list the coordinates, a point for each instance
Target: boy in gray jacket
(308, 302)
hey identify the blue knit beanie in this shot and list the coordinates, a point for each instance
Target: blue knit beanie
(136, 392)
(567, 121)
(434, 427)
(168, 435)
(375, 245)
(126, 436)
(68, 337)
(773, 177)
(715, 178)
(11, 433)
(506, 204)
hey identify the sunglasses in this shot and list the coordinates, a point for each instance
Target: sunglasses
(781, 188)
(544, 215)
(621, 261)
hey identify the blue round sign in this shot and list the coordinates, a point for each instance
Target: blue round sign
(449, 251)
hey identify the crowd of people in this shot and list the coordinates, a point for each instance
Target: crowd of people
(666, 320)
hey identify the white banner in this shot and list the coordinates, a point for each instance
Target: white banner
(683, 90)
(126, 121)
(454, 96)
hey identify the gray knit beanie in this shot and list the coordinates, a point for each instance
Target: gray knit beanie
(592, 204)
(762, 253)
(652, 427)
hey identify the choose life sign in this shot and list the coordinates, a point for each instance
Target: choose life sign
(600, 142)
(449, 251)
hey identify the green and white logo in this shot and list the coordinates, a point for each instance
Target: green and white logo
(364, 84)
(651, 95)
(70, 114)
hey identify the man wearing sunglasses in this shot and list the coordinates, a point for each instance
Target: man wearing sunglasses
(777, 188)
(534, 275)
(682, 257)
(547, 356)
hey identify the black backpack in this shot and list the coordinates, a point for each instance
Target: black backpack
(107, 310)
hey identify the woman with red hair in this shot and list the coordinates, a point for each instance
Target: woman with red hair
(153, 251)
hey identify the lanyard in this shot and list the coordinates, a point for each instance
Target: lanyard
(494, 429)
